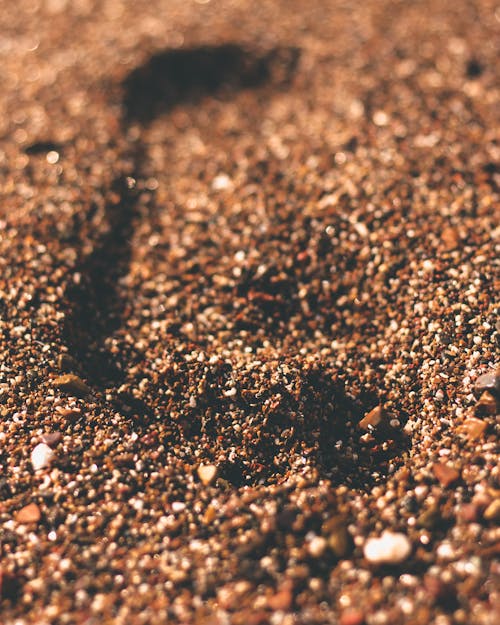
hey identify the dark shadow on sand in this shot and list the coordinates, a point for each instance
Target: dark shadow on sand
(176, 77)
(168, 79)
(320, 413)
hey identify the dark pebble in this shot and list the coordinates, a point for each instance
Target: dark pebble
(489, 381)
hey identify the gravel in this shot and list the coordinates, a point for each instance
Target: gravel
(229, 234)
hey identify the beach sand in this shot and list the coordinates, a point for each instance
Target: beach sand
(249, 332)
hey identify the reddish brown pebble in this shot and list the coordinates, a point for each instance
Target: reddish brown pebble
(445, 475)
(29, 514)
(472, 428)
(207, 473)
(72, 384)
(486, 406)
(450, 239)
(469, 512)
(372, 419)
(352, 617)
(283, 599)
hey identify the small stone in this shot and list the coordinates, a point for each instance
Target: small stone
(210, 515)
(317, 546)
(489, 381)
(41, 456)
(52, 439)
(450, 239)
(469, 512)
(65, 362)
(372, 419)
(472, 428)
(492, 512)
(29, 514)
(429, 518)
(389, 548)
(69, 413)
(352, 617)
(486, 406)
(222, 182)
(207, 473)
(339, 539)
(445, 475)
(72, 384)
(283, 598)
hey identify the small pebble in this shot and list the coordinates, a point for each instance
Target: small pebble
(222, 182)
(492, 512)
(41, 456)
(472, 428)
(429, 518)
(486, 406)
(489, 381)
(72, 384)
(65, 362)
(450, 239)
(207, 473)
(29, 514)
(445, 474)
(352, 617)
(51, 438)
(389, 548)
(210, 515)
(339, 539)
(283, 599)
(317, 546)
(341, 542)
(372, 419)
(469, 512)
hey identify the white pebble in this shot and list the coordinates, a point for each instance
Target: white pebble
(221, 182)
(41, 456)
(380, 118)
(317, 546)
(390, 548)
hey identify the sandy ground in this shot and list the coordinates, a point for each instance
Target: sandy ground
(249, 367)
